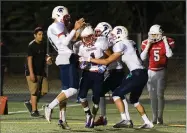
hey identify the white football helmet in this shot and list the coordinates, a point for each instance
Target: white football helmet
(117, 34)
(102, 29)
(60, 13)
(87, 35)
(155, 33)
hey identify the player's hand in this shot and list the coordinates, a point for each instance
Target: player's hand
(32, 77)
(150, 41)
(79, 24)
(83, 64)
(49, 60)
(164, 38)
(101, 68)
(82, 59)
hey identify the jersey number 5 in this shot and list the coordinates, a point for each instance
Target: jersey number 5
(156, 55)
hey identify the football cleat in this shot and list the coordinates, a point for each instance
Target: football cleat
(147, 126)
(28, 106)
(48, 112)
(89, 122)
(101, 121)
(160, 121)
(124, 124)
(35, 114)
(63, 125)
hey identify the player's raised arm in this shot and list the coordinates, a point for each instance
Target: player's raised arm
(169, 52)
(62, 15)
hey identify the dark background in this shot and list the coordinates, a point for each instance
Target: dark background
(137, 16)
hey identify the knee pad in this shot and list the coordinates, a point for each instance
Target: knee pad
(115, 98)
(69, 92)
(136, 104)
(82, 100)
(96, 106)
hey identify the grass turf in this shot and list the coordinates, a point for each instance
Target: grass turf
(19, 121)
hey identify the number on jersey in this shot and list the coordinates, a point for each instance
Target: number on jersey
(156, 55)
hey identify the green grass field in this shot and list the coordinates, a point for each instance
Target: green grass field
(19, 121)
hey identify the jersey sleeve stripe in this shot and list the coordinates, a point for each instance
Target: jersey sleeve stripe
(60, 34)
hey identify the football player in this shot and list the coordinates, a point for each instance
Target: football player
(158, 49)
(60, 39)
(126, 49)
(113, 79)
(93, 74)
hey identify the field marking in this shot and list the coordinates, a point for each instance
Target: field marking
(151, 110)
(25, 111)
(79, 123)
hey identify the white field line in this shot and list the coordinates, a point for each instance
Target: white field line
(25, 111)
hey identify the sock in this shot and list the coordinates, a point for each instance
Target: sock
(102, 106)
(95, 109)
(126, 109)
(87, 111)
(54, 103)
(146, 120)
(62, 115)
(123, 116)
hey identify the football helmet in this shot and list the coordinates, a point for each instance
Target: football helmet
(102, 29)
(117, 34)
(60, 13)
(87, 35)
(155, 33)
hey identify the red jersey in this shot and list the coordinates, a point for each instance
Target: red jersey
(157, 54)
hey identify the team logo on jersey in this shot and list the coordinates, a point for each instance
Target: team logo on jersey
(60, 9)
(119, 31)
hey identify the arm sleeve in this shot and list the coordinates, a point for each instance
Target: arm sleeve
(63, 39)
(169, 52)
(145, 50)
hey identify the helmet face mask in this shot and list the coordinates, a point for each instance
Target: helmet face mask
(119, 33)
(111, 38)
(97, 32)
(155, 33)
(87, 36)
(88, 40)
(102, 29)
(60, 13)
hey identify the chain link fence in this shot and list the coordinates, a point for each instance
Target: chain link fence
(15, 84)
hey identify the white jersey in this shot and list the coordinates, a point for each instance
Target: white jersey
(60, 39)
(95, 51)
(116, 64)
(129, 54)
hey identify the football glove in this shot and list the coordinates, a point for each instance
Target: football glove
(83, 64)
(101, 68)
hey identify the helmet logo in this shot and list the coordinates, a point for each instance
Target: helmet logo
(119, 31)
(106, 27)
(60, 9)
